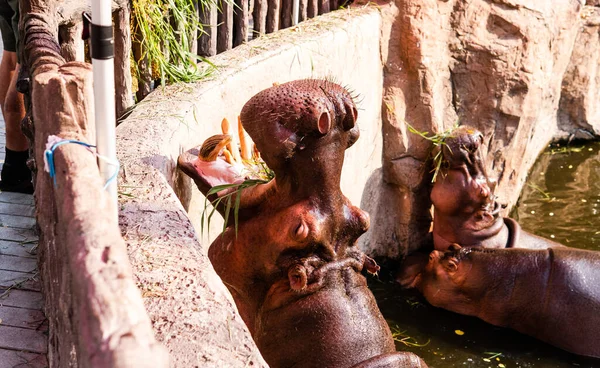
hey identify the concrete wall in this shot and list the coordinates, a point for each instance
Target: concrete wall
(192, 312)
(343, 47)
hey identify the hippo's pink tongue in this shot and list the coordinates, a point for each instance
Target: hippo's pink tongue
(218, 172)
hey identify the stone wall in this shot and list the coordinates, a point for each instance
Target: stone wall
(191, 310)
(579, 112)
(497, 65)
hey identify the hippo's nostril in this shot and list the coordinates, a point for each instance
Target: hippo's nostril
(350, 118)
(324, 123)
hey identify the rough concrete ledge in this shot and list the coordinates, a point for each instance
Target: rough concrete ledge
(95, 312)
(191, 310)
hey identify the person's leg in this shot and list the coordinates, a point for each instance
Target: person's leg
(14, 112)
(7, 68)
(15, 175)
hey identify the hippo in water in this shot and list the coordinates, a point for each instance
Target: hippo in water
(465, 209)
(551, 294)
(290, 259)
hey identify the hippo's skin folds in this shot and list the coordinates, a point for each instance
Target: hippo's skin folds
(293, 267)
(551, 294)
(465, 208)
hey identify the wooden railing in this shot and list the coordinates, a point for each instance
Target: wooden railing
(239, 22)
(95, 310)
(225, 25)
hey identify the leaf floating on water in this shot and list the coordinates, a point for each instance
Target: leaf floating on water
(501, 365)
(492, 355)
(459, 332)
(401, 336)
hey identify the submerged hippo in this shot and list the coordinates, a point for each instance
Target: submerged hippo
(291, 262)
(465, 208)
(551, 294)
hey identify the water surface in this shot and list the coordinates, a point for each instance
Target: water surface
(561, 201)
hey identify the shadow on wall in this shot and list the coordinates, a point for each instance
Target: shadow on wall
(390, 218)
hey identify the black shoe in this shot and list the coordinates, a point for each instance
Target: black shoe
(15, 175)
(19, 186)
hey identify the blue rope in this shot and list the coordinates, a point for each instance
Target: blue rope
(50, 159)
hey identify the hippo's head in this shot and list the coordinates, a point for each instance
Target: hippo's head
(291, 262)
(463, 185)
(302, 127)
(462, 148)
(465, 209)
(446, 279)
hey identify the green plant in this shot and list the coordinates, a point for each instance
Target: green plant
(438, 140)
(257, 172)
(228, 200)
(492, 356)
(165, 29)
(545, 195)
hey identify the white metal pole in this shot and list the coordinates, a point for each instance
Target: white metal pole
(102, 45)
(295, 11)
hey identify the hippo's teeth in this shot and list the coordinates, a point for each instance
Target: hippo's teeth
(212, 146)
(371, 266)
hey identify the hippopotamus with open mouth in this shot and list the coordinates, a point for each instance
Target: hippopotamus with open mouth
(465, 208)
(551, 294)
(290, 259)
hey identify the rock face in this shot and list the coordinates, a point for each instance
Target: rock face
(579, 113)
(496, 65)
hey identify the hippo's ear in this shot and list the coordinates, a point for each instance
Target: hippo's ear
(451, 264)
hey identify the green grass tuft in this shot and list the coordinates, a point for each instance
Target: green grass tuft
(167, 29)
(257, 171)
(438, 140)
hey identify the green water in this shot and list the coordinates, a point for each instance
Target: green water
(560, 201)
